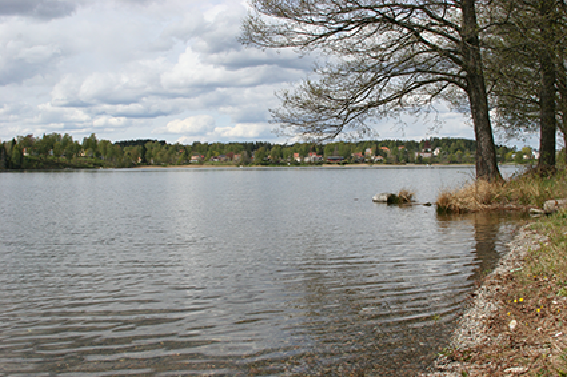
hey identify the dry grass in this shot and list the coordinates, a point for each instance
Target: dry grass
(405, 196)
(522, 192)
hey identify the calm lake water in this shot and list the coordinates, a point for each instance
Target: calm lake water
(233, 272)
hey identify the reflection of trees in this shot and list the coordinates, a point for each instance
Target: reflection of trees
(486, 232)
(492, 231)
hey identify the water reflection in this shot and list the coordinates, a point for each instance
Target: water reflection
(492, 233)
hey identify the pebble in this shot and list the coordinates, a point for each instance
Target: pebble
(471, 330)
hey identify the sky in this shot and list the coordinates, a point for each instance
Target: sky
(152, 69)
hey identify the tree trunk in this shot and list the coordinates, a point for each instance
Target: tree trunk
(486, 165)
(548, 126)
(562, 84)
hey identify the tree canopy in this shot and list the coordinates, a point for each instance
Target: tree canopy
(386, 57)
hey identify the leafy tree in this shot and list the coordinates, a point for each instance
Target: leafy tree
(17, 157)
(57, 150)
(276, 152)
(103, 147)
(519, 158)
(90, 143)
(526, 66)
(386, 57)
(260, 154)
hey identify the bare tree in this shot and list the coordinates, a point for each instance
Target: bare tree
(386, 57)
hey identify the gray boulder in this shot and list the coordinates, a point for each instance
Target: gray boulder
(552, 206)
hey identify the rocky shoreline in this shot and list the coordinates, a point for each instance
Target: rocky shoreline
(483, 328)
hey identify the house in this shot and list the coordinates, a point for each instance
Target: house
(423, 154)
(195, 159)
(297, 157)
(313, 157)
(335, 159)
(357, 156)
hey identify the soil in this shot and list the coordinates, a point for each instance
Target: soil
(503, 335)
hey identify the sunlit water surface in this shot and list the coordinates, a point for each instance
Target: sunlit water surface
(233, 272)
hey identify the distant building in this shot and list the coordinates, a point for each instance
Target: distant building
(357, 156)
(313, 157)
(423, 154)
(335, 159)
(195, 159)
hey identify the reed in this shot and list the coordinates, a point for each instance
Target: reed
(405, 196)
(521, 192)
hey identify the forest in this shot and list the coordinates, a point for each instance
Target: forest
(55, 151)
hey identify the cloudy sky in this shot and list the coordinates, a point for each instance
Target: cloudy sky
(142, 69)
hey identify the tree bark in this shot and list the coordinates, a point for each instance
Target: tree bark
(548, 126)
(486, 164)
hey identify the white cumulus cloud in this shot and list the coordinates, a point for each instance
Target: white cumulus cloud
(193, 125)
(243, 131)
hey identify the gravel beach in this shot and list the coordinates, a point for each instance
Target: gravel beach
(482, 326)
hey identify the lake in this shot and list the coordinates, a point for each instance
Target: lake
(234, 272)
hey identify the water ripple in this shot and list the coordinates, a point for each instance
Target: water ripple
(212, 275)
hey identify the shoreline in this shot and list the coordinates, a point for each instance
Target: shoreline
(236, 166)
(481, 328)
(334, 166)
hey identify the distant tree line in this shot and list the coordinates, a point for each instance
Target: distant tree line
(55, 151)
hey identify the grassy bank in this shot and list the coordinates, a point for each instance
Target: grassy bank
(521, 192)
(528, 332)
